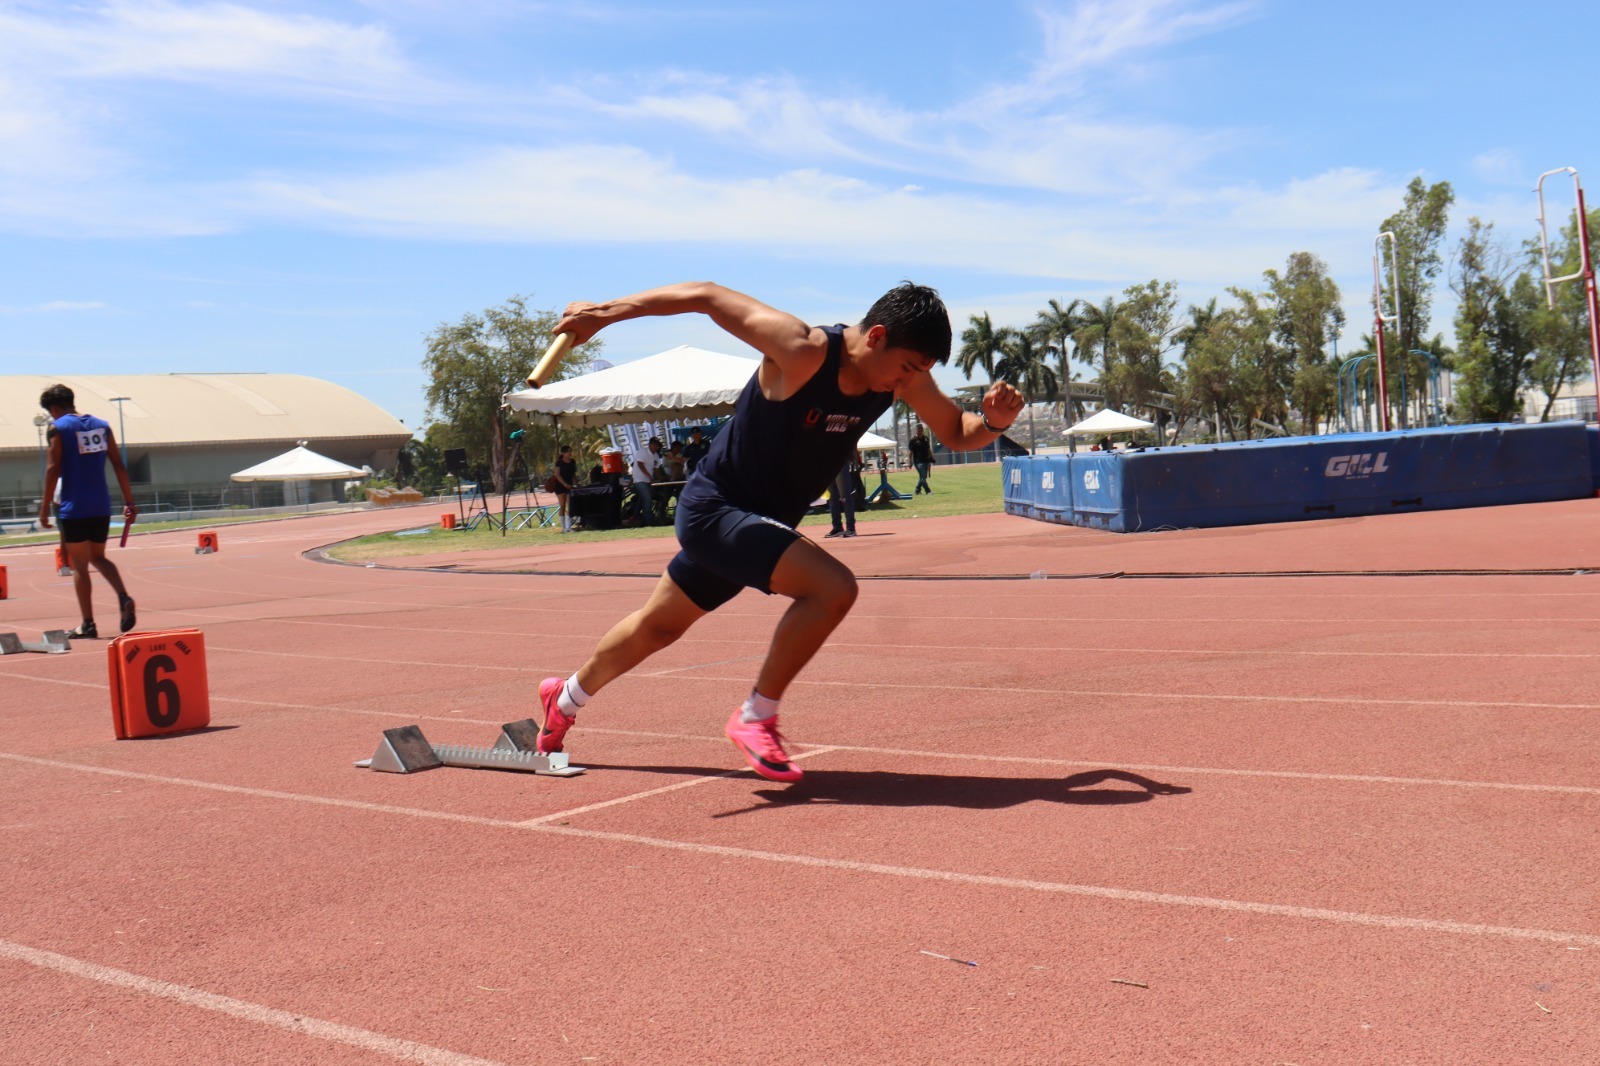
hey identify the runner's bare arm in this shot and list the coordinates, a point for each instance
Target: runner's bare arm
(959, 430)
(779, 336)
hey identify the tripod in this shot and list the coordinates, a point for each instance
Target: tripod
(518, 462)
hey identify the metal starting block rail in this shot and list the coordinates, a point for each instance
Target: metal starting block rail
(55, 642)
(404, 750)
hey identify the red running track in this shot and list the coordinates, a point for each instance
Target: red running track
(1385, 853)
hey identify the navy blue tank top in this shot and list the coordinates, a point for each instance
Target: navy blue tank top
(776, 457)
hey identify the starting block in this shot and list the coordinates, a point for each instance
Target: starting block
(404, 750)
(55, 642)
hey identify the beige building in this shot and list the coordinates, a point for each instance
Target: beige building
(194, 430)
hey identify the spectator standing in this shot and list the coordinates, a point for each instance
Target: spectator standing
(922, 459)
(565, 479)
(842, 499)
(645, 466)
(695, 450)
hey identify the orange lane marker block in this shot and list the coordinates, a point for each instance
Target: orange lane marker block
(158, 683)
(207, 544)
(447, 521)
(5, 588)
(63, 568)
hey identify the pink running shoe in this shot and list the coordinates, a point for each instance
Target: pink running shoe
(762, 746)
(556, 724)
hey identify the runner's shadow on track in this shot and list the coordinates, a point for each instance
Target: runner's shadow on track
(882, 788)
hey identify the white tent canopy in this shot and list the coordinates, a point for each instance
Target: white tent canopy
(871, 442)
(683, 383)
(1109, 421)
(301, 464)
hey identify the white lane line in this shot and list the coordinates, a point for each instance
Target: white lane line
(365, 1039)
(1193, 697)
(963, 756)
(1126, 895)
(542, 819)
(433, 633)
(1016, 690)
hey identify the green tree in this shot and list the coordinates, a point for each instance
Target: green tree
(421, 466)
(473, 363)
(1055, 326)
(980, 345)
(1561, 332)
(1262, 375)
(1418, 227)
(1096, 340)
(1144, 334)
(1494, 339)
(1308, 316)
(1025, 363)
(1207, 381)
(1188, 403)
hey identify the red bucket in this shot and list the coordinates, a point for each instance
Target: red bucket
(611, 462)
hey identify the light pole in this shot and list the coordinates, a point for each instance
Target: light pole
(122, 436)
(39, 422)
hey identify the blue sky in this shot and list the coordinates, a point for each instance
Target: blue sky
(311, 187)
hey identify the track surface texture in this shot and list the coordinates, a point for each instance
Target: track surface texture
(1197, 818)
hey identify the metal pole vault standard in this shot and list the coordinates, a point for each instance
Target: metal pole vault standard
(1381, 318)
(1585, 268)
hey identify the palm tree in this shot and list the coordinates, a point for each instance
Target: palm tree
(1056, 326)
(980, 344)
(1096, 335)
(1025, 363)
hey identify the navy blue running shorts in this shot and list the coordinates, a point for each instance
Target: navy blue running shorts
(723, 548)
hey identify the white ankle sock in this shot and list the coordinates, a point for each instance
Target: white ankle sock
(572, 697)
(758, 708)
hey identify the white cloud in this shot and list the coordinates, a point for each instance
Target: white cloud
(600, 194)
(1500, 166)
(216, 43)
(54, 306)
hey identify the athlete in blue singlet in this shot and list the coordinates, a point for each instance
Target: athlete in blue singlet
(817, 389)
(80, 447)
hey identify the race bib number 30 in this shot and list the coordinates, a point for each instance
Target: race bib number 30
(91, 440)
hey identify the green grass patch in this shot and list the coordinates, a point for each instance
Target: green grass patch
(957, 490)
(53, 534)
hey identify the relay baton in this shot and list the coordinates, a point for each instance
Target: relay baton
(552, 358)
(127, 524)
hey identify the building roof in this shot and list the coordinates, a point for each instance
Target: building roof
(199, 409)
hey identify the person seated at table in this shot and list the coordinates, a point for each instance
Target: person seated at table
(673, 465)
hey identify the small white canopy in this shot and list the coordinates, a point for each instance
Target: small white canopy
(301, 464)
(683, 383)
(871, 442)
(1109, 421)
